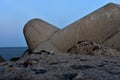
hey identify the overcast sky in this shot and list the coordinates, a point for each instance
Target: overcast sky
(15, 13)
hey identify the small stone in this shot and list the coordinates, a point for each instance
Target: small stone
(30, 62)
(114, 70)
(83, 67)
(87, 77)
(83, 60)
(86, 43)
(54, 63)
(51, 52)
(101, 65)
(69, 76)
(1, 69)
(39, 71)
(96, 48)
(15, 59)
(27, 52)
(79, 42)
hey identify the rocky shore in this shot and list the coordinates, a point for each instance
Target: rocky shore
(87, 62)
(69, 53)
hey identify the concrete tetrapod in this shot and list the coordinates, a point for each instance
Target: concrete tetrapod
(37, 31)
(101, 26)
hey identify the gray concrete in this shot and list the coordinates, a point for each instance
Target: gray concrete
(97, 26)
(101, 26)
(37, 31)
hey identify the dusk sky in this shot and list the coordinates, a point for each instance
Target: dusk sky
(15, 13)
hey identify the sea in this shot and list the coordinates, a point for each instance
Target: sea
(10, 52)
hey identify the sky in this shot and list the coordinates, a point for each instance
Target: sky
(15, 13)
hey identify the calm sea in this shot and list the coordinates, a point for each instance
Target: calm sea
(9, 52)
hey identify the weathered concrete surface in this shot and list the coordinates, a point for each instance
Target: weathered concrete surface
(97, 26)
(100, 26)
(48, 46)
(113, 41)
(37, 31)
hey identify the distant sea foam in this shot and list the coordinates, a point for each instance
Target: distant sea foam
(10, 52)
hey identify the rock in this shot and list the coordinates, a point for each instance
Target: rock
(61, 66)
(114, 70)
(82, 67)
(87, 77)
(69, 76)
(92, 48)
(1, 59)
(15, 59)
(30, 62)
(27, 52)
(39, 71)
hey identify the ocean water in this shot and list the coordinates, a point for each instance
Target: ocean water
(10, 52)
